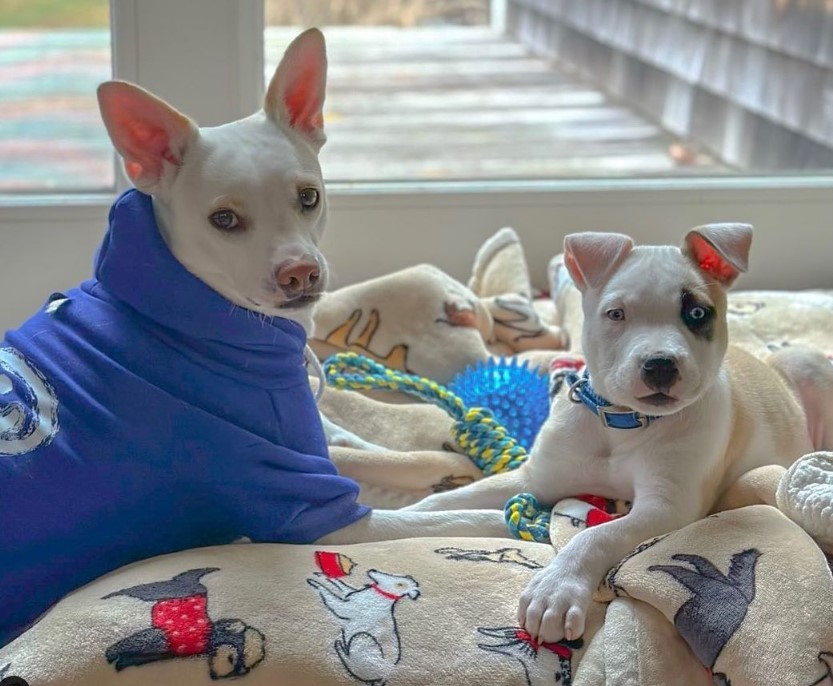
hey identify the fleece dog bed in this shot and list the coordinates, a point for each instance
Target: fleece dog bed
(742, 597)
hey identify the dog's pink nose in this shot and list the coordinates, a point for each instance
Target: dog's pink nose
(296, 278)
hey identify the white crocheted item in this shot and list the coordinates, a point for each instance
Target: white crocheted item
(805, 495)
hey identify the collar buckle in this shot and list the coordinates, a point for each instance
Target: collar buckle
(610, 414)
(575, 388)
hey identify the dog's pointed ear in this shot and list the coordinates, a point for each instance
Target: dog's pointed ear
(149, 134)
(720, 251)
(295, 95)
(592, 257)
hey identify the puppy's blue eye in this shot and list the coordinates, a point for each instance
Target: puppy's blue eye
(225, 220)
(617, 314)
(697, 315)
(308, 197)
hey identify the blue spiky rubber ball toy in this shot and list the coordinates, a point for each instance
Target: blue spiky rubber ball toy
(515, 393)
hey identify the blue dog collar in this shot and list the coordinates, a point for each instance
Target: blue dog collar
(612, 416)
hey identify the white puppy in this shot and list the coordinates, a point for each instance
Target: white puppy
(691, 417)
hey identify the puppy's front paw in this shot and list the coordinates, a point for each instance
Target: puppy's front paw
(554, 604)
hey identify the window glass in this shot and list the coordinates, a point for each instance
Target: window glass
(53, 55)
(514, 89)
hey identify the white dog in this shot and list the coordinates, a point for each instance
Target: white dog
(663, 416)
(164, 403)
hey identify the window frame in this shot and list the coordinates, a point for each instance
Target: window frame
(442, 222)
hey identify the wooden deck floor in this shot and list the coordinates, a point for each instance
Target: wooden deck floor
(439, 103)
(431, 103)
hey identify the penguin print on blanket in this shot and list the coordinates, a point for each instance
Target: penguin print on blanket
(719, 602)
(544, 664)
(181, 627)
(369, 645)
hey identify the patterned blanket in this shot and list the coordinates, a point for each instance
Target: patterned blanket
(743, 597)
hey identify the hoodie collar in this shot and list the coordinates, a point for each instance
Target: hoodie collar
(136, 267)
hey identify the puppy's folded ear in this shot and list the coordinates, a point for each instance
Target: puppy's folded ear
(720, 251)
(592, 257)
(295, 96)
(149, 134)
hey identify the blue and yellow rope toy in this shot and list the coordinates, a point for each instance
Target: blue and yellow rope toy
(475, 429)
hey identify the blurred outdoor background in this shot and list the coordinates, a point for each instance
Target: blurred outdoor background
(432, 90)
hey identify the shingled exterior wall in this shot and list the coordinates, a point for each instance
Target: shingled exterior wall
(750, 80)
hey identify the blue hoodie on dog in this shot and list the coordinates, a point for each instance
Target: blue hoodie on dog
(142, 413)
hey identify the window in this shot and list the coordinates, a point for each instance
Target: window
(53, 54)
(533, 89)
(207, 57)
(748, 82)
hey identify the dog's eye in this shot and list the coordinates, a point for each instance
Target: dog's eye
(308, 197)
(225, 220)
(617, 314)
(698, 316)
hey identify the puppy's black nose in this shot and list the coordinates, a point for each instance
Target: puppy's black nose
(660, 373)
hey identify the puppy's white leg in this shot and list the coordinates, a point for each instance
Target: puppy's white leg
(489, 493)
(389, 525)
(554, 604)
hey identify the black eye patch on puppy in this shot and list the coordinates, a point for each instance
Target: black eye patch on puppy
(697, 315)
